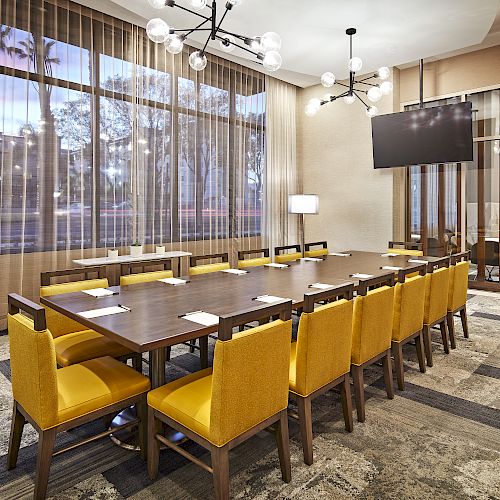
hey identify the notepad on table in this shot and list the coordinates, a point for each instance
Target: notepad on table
(361, 276)
(311, 259)
(390, 255)
(174, 281)
(269, 299)
(103, 311)
(234, 271)
(391, 268)
(99, 292)
(202, 318)
(320, 286)
(274, 264)
(340, 254)
(416, 261)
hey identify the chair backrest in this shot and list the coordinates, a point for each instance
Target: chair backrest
(282, 256)
(458, 284)
(319, 252)
(255, 261)
(32, 361)
(412, 271)
(368, 284)
(372, 324)
(195, 268)
(409, 298)
(324, 339)
(438, 263)
(459, 257)
(250, 371)
(436, 294)
(136, 272)
(57, 323)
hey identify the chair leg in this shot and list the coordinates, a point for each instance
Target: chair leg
(154, 427)
(463, 317)
(387, 364)
(398, 362)
(220, 466)
(427, 344)
(345, 397)
(137, 362)
(16, 432)
(359, 391)
(283, 442)
(305, 423)
(46, 442)
(419, 343)
(451, 329)
(167, 353)
(192, 343)
(203, 352)
(444, 336)
(142, 413)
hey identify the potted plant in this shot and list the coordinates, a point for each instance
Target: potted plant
(136, 249)
(160, 249)
(112, 253)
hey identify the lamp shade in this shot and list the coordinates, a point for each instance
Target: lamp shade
(303, 204)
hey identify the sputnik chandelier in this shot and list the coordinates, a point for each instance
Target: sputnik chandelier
(265, 48)
(373, 90)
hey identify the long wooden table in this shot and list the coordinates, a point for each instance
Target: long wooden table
(154, 321)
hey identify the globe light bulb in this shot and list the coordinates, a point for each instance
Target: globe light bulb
(157, 4)
(270, 41)
(327, 79)
(272, 61)
(349, 99)
(197, 61)
(311, 110)
(386, 87)
(384, 72)
(255, 45)
(174, 44)
(372, 111)
(198, 4)
(227, 44)
(374, 94)
(355, 64)
(157, 30)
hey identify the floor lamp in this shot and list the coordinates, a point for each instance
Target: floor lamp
(302, 204)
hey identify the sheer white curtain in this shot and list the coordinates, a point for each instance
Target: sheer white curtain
(281, 178)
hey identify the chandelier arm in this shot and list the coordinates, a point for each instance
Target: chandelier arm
(193, 12)
(368, 78)
(334, 98)
(343, 85)
(239, 46)
(366, 105)
(197, 28)
(241, 37)
(361, 82)
(220, 22)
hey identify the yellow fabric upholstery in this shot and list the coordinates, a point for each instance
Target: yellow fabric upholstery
(287, 257)
(372, 324)
(459, 281)
(131, 279)
(260, 261)
(95, 384)
(404, 251)
(436, 295)
(57, 323)
(316, 253)
(323, 347)
(408, 315)
(248, 384)
(208, 268)
(87, 344)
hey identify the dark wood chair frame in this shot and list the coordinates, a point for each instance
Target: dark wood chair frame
(193, 260)
(220, 455)
(322, 244)
(418, 336)
(462, 310)
(46, 437)
(283, 249)
(408, 245)
(243, 253)
(304, 415)
(128, 268)
(385, 356)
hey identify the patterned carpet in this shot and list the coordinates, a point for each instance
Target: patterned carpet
(440, 438)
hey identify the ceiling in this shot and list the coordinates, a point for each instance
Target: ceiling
(390, 32)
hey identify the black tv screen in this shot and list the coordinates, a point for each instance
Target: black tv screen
(434, 135)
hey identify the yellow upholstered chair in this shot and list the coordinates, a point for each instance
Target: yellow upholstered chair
(195, 268)
(319, 252)
(137, 272)
(53, 400)
(457, 295)
(372, 333)
(321, 357)
(406, 248)
(245, 392)
(282, 256)
(408, 318)
(255, 261)
(74, 342)
(436, 304)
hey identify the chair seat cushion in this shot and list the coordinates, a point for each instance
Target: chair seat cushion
(316, 253)
(145, 277)
(187, 401)
(259, 261)
(293, 367)
(208, 268)
(95, 384)
(81, 346)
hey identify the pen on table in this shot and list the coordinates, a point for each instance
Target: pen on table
(125, 307)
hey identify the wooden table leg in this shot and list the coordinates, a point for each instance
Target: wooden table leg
(157, 367)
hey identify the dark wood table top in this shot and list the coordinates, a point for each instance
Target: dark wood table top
(153, 320)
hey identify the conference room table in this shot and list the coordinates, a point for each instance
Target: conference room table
(153, 312)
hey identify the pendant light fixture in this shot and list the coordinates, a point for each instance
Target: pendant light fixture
(374, 90)
(265, 47)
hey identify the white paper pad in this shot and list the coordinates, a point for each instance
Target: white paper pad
(269, 299)
(173, 281)
(104, 311)
(99, 292)
(416, 261)
(311, 259)
(202, 318)
(320, 286)
(361, 276)
(340, 254)
(234, 271)
(391, 268)
(390, 255)
(273, 264)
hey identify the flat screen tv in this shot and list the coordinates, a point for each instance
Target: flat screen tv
(434, 135)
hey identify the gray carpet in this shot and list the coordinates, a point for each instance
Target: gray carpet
(440, 438)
